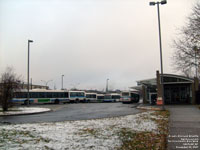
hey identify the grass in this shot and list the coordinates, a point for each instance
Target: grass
(90, 131)
(132, 140)
(12, 137)
(129, 139)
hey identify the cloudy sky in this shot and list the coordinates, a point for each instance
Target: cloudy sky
(88, 41)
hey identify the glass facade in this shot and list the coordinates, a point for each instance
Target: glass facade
(177, 93)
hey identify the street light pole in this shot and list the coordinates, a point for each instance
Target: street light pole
(160, 43)
(28, 94)
(62, 81)
(107, 85)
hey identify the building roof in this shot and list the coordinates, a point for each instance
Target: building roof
(168, 79)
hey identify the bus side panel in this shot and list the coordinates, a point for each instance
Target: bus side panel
(61, 100)
(44, 100)
(126, 99)
(18, 101)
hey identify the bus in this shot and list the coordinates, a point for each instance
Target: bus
(108, 98)
(77, 96)
(91, 97)
(100, 97)
(129, 97)
(115, 96)
(40, 96)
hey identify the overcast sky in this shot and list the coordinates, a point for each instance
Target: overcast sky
(89, 41)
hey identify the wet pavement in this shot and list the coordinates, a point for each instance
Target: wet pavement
(80, 111)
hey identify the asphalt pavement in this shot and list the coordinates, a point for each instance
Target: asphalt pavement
(80, 111)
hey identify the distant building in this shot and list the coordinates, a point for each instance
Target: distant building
(33, 86)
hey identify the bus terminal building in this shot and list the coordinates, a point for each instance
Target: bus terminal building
(177, 89)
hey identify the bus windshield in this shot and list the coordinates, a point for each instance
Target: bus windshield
(125, 94)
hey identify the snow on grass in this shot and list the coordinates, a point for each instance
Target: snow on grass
(101, 134)
(24, 110)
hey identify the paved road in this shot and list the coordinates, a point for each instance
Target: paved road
(81, 111)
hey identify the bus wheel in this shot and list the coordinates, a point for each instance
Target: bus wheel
(57, 101)
(77, 100)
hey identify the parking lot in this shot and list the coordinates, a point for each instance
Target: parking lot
(80, 111)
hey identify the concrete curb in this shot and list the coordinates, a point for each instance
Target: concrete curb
(141, 106)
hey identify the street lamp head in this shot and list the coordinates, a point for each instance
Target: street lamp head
(152, 3)
(163, 2)
(30, 41)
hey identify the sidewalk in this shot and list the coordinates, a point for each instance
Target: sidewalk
(184, 127)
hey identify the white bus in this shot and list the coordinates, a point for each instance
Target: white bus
(100, 97)
(108, 98)
(41, 96)
(129, 97)
(116, 97)
(77, 96)
(91, 97)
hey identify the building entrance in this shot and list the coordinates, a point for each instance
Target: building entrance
(177, 94)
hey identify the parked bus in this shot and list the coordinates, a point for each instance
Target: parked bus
(129, 97)
(115, 96)
(108, 98)
(91, 97)
(77, 96)
(100, 97)
(41, 96)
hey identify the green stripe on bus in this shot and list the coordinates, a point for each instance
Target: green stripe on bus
(43, 100)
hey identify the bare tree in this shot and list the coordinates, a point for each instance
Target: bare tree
(187, 47)
(9, 83)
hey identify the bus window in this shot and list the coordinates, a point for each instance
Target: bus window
(66, 95)
(42, 95)
(73, 94)
(80, 94)
(49, 95)
(61, 95)
(24, 95)
(55, 95)
(125, 94)
(33, 95)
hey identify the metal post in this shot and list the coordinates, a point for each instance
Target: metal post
(107, 85)
(31, 84)
(161, 59)
(28, 94)
(62, 81)
(160, 43)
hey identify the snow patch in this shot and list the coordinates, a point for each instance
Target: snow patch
(24, 110)
(101, 134)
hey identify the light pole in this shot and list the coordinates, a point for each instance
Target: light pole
(62, 81)
(160, 43)
(107, 85)
(28, 94)
(46, 82)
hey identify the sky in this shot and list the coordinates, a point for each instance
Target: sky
(89, 41)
